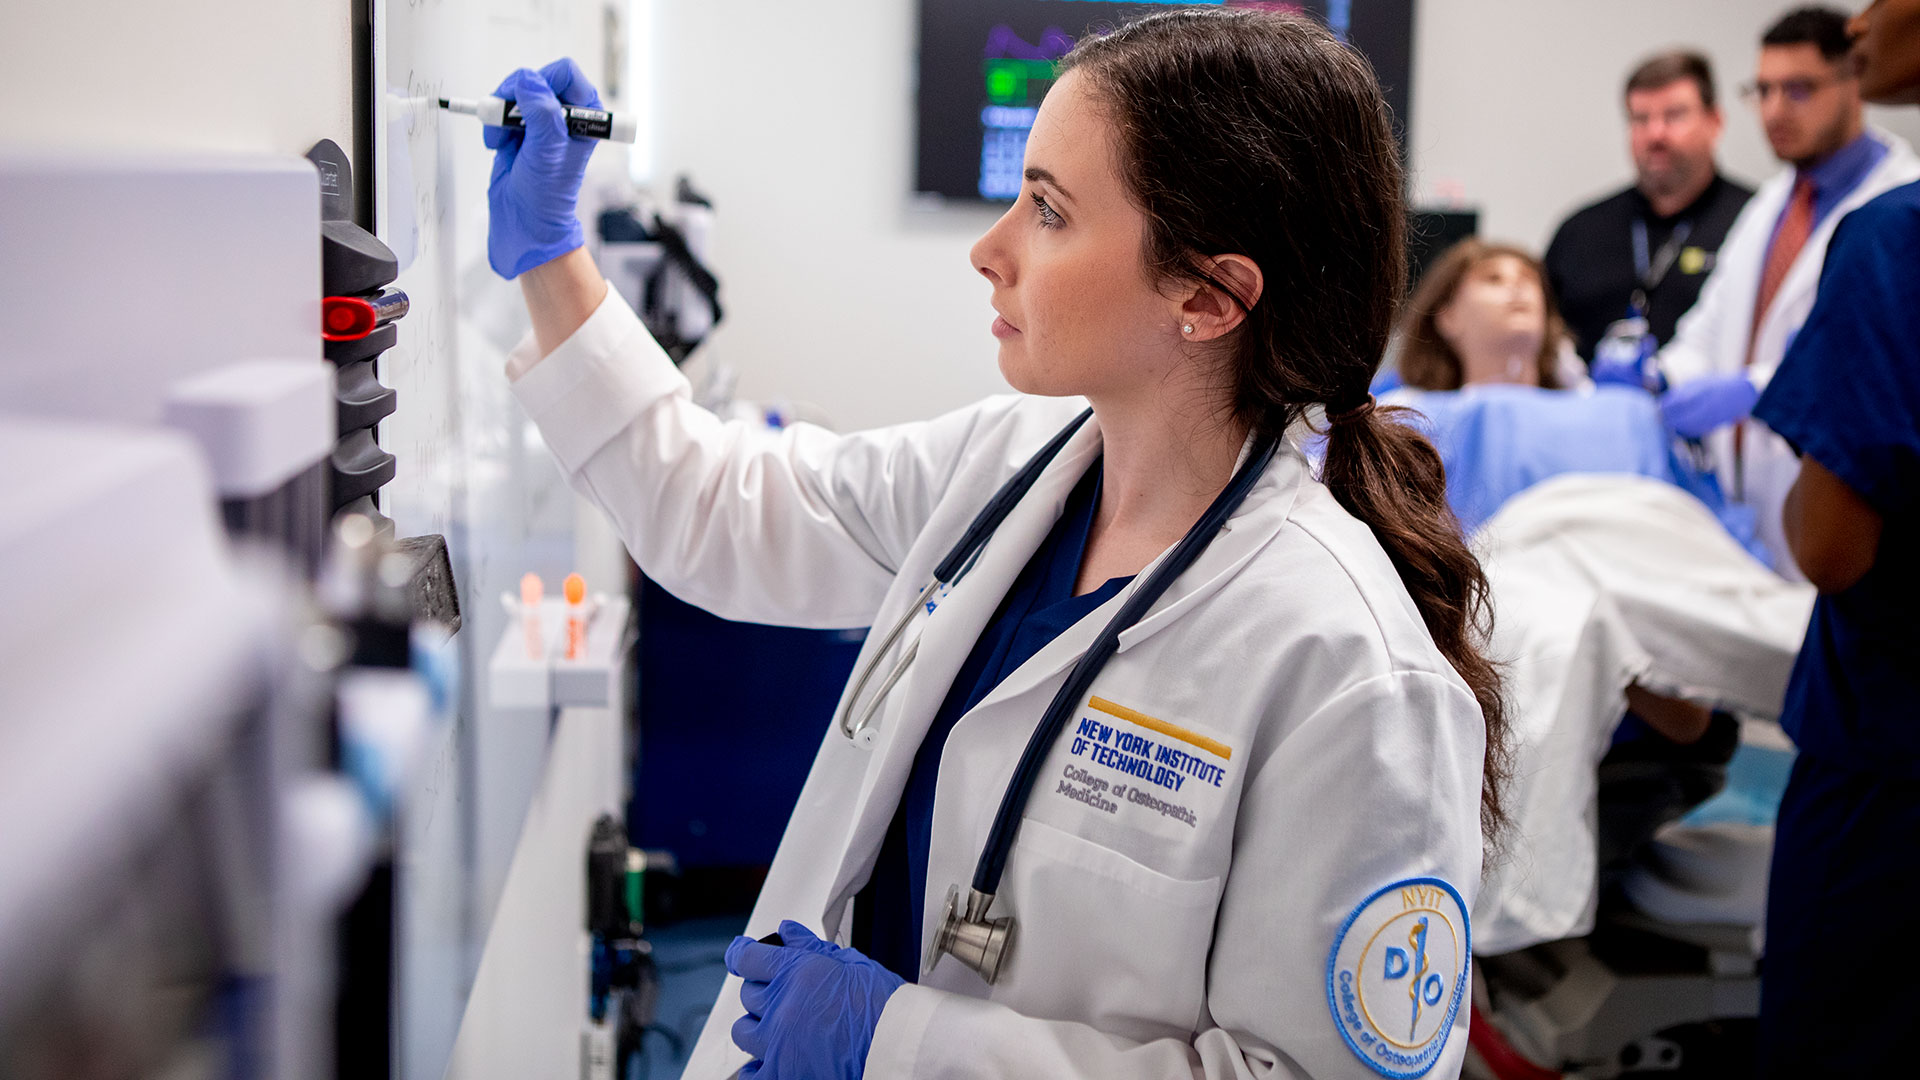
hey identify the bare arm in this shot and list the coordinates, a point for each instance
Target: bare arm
(560, 295)
(1682, 721)
(1833, 533)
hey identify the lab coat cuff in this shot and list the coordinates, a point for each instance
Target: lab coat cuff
(902, 1028)
(595, 383)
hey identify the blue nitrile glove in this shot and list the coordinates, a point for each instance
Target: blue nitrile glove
(1616, 371)
(531, 215)
(1698, 406)
(811, 1006)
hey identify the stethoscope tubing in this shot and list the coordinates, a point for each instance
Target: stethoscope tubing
(1006, 820)
(947, 574)
(1006, 823)
(850, 726)
(1003, 501)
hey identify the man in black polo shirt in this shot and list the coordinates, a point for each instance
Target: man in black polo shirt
(1653, 243)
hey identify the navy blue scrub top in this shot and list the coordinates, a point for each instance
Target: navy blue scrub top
(1847, 394)
(1037, 609)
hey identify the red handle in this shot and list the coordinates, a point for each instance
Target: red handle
(346, 318)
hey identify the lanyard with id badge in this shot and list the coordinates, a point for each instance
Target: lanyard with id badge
(1629, 342)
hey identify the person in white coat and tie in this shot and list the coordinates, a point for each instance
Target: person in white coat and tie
(1725, 349)
(1250, 846)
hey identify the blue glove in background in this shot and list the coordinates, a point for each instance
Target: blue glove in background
(1698, 406)
(532, 199)
(811, 1006)
(1607, 371)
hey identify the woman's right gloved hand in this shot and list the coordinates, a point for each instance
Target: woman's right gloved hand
(532, 200)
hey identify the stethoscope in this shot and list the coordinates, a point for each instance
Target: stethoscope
(966, 932)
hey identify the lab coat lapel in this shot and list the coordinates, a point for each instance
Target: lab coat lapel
(947, 637)
(1743, 264)
(1791, 304)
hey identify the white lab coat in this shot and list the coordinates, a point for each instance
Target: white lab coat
(1147, 947)
(1711, 338)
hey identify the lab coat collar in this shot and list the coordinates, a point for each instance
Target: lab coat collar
(950, 634)
(1782, 318)
(1841, 171)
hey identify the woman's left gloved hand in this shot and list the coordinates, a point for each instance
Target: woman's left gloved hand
(811, 1006)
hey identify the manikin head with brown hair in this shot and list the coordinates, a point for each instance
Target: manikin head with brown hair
(1482, 313)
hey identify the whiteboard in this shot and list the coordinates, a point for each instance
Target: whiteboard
(470, 466)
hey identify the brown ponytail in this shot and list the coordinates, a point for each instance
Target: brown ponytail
(1388, 475)
(1261, 135)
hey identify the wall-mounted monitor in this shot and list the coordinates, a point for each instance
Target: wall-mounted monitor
(985, 65)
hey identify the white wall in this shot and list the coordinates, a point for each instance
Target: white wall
(224, 75)
(797, 118)
(1517, 106)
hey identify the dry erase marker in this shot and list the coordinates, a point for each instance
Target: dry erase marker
(581, 120)
(350, 318)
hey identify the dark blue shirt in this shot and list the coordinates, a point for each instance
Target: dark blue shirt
(1847, 395)
(1037, 609)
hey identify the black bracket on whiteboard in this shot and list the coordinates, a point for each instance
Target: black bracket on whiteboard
(355, 263)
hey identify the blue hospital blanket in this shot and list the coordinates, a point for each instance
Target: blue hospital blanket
(1498, 440)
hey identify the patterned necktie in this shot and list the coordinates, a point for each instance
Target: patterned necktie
(1795, 226)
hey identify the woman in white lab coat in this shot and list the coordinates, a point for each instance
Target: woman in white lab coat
(1252, 850)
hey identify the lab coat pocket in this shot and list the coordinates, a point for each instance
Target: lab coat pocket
(1104, 940)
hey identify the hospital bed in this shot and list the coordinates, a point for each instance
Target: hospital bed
(1612, 562)
(1600, 581)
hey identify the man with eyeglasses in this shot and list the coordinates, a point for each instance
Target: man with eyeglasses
(1639, 256)
(1725, 350)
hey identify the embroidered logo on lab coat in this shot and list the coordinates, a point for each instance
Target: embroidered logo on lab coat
(1397, 974)
(1166, 770)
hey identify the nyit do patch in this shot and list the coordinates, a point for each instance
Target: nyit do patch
(1397, 974)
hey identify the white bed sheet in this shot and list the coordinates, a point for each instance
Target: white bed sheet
(1600, 581)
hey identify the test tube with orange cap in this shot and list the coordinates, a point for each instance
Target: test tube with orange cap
(575, 588)
(531, 590)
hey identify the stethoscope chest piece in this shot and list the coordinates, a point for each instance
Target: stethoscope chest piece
(967, 934)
